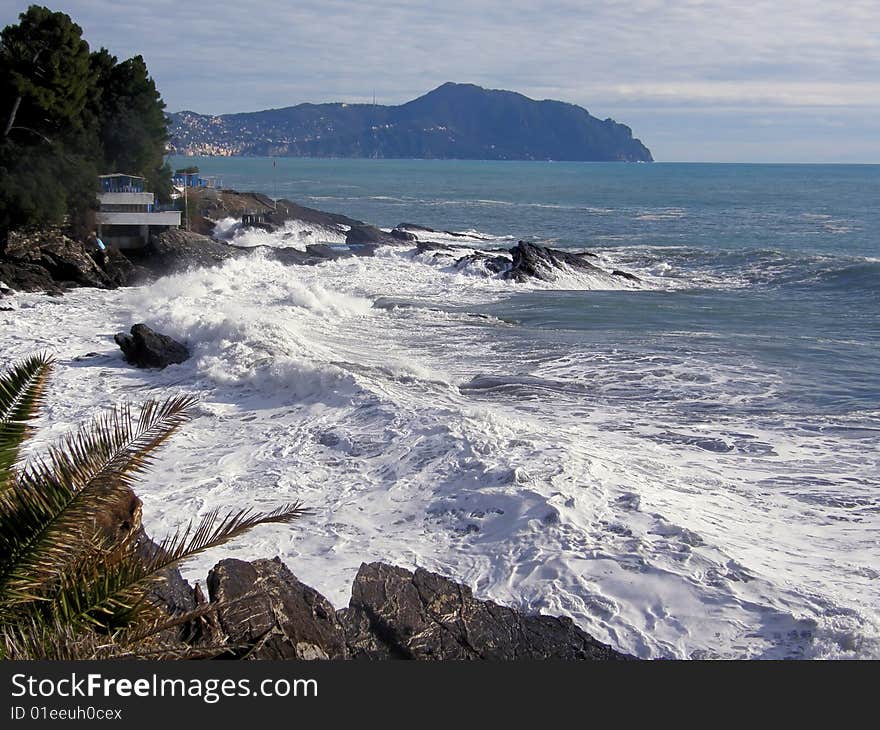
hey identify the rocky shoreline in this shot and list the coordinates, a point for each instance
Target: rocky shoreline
(259, 609)
(50, 261)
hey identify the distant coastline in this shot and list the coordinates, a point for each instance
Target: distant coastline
(454, 121)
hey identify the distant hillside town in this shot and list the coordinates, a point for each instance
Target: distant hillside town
(454, 121)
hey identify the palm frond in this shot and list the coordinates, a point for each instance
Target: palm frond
(21, 393)
(37, 638)
(50, 508)
(75, 580)
(113, 591)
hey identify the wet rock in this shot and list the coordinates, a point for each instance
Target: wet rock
(267, 613)
(177, 250)
(429, 246)
(146, 348)
(532, 261)
(493, 264)
(364, 234)
(397, 614)
(425, 229)
(402, 235)
(323, 251)
(625, 275)
(414, 227)
(119, 270)
(288, 256)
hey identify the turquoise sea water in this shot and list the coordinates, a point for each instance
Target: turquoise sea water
(735, 395)
(779, 264)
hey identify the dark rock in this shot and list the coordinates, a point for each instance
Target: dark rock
(362, 249)
(145, 348)
(267, 613)
(119, 270)
(414, 227)
(532, 261)
(173, 591)
(323, 251)
(495, 264)
(28, 277)
(394, 613)
(364, 234)
(285, 210)
(208, 205)
(625, 275)
(48, 260)
(402, 235)
(177, 250)
(426, 246)
(67, 261)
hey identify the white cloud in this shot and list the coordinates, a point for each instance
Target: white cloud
(614, 58)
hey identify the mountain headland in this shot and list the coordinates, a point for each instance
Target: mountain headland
(454, 121)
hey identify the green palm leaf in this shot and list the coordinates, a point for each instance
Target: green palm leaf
(113, 591)
(49, 511)
(73, 584)
(21, 393)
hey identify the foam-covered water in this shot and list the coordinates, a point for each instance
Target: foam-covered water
(687, 467)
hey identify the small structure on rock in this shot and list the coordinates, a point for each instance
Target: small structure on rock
(128, 215)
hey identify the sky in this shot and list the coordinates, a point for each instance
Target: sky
(697, 80)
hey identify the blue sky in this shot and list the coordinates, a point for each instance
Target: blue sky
(781, 81)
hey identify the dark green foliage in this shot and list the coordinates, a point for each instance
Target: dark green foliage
(46, 75)
(21, 392)
(31, 191)
(67, 114)
(47, 145)
(132, 123)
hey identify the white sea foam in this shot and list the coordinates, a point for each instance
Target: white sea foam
(428, 437)
(293, 234)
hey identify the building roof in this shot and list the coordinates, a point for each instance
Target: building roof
(121, 174)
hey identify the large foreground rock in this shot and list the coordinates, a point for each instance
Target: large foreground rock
(146, 348)
(267, 613)
(395, 613)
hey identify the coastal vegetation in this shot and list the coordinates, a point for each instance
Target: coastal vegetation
(78, 577)
(68, 113)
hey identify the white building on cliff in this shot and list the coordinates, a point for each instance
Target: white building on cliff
(128, 216)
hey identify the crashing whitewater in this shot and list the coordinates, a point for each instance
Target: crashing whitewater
(423, 434)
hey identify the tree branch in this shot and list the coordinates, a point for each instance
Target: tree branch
(12, 116)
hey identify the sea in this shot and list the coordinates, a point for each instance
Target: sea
(688, 466)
